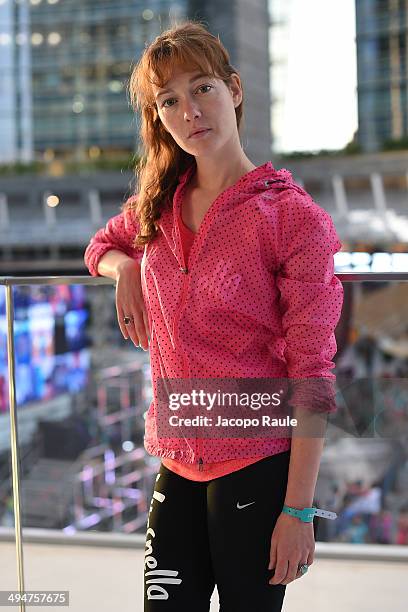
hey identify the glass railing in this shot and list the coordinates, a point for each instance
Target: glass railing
(74, 394)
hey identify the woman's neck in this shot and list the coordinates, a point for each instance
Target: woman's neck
(212, 177)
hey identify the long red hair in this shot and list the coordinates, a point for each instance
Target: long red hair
(191, 46)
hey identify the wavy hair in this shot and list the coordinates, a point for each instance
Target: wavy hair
(188, 45)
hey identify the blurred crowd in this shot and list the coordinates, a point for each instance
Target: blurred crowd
(364, 516)
(366, 513)
(375, 513)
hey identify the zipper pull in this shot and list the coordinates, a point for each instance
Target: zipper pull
(185, 270)
(200, 464)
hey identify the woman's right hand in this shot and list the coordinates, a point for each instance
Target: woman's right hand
(129, 302)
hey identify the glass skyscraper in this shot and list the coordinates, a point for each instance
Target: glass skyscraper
(280, 11)
(63, 71)
(382, 71)
(65, 64)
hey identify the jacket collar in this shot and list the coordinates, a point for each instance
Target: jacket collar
(263, 178)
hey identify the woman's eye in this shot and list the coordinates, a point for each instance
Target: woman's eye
(170, 99)
(201, 86)
(164, 103)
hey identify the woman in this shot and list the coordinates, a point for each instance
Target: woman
(227, 269)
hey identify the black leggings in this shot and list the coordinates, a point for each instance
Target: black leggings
(197, 537)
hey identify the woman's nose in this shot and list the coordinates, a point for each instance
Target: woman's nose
(191, 110)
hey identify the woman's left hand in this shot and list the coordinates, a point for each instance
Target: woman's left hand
(292, 544)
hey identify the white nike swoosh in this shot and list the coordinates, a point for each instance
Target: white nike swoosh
(244, 505)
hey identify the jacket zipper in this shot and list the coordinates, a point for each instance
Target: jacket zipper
(185, 270)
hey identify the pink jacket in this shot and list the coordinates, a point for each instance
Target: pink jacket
(258, 298)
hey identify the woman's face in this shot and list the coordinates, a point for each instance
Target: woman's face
(190, 101)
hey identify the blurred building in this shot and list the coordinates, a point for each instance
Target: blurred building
(382, 71)
(280, 11)
(15, 83)
(65, 65)
(81, 55)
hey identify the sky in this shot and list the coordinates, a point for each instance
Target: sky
(321, 99)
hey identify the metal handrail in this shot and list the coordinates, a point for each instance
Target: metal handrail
(103, 280)
(9, 282)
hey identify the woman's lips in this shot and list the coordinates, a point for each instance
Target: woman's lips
(200, 133)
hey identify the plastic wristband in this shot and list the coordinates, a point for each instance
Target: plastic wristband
(306, 515)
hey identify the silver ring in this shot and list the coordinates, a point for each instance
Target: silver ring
(303, 568)
(127, 320)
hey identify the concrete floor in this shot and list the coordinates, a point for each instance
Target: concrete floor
(107, 579)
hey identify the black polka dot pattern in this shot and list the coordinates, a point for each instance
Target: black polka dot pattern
(257, 298)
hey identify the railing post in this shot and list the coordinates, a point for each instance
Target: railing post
(14, 440)
(95, 207)
(340, 195)
(380, 202)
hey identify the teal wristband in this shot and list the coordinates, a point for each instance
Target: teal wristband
(306, 515)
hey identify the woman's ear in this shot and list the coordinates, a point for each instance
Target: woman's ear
(235, 88)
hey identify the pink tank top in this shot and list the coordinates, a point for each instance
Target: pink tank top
(219, 468)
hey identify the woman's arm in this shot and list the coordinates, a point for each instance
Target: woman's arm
(111, 263)
(311, 299)
(311, 302)
(305, 456)
(117, 235)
